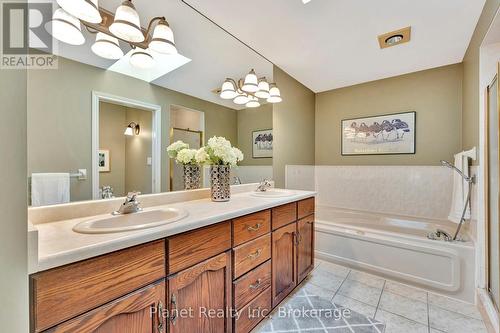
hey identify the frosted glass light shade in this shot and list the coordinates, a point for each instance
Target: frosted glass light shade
(241, 99)
(250, 84)
(86, 10)
(107, 47)
(129, 131)
(163, 39)
(142, 59)
(228, 90)
(253, 102)
(263, 91)
(127, 24)
(66, 28)
(274, 95)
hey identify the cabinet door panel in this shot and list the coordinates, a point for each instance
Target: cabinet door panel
(305, 248)
(65, 292)
(138, 312)
(196, 291)
(283, 262)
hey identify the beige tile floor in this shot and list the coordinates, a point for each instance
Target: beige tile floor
(400, 307)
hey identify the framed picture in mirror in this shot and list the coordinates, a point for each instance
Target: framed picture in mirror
(262, 143)
(103, 160)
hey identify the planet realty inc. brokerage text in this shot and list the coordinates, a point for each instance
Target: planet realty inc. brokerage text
(280, 312)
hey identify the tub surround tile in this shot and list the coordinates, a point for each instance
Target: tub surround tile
(365, 278)
(452, 322)
(447, 303)
(397, 324)
(422, 191)
(346, 302)
(360, 292)
(406, 291)
(405, 307)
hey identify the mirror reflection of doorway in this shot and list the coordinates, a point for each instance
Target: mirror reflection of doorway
(186, 125)
(492, 190)
(126, 146)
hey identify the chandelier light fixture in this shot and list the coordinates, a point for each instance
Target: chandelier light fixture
(124, 25)
(249, 91)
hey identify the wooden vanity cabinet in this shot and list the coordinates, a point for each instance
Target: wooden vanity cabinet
(138, 312)
(292, 247)
(284, 259)
(201, 276)
(305, 247)
(199, 297)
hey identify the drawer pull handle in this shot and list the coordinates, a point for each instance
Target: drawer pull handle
(173, 302)
(255, 255)
(160, 317)
(256, 284)
(255, 228)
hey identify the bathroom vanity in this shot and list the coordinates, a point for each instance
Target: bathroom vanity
(218, 275)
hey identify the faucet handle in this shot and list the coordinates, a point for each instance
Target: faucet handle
(132, 196)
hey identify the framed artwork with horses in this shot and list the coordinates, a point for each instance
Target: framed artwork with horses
(388, 134)
(262, 143)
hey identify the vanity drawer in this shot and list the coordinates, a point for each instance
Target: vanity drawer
(251, 284)
(251, 254)
(251, 226)
(284, 215)
(305, 208)
(190, 248)
(253, 313)
(65, 292)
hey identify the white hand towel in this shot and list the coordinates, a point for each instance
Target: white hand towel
(460, 188)
(49, 189)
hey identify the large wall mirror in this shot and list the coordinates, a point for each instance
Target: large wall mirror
(100, 128)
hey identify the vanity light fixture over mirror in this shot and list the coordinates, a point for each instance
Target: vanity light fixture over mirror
(124, 25)
(248, 91)
(132, 129)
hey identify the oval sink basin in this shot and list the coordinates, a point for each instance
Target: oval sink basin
(135, 221)
(273, 193)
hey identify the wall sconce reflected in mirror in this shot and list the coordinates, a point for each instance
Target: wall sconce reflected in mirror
(132, 129)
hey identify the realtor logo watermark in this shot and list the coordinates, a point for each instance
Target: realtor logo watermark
(26, 43)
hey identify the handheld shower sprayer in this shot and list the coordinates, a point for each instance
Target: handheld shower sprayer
(470, 180)
(451, 166)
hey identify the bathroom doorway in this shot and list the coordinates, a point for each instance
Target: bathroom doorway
(492, 188)
(187, 125)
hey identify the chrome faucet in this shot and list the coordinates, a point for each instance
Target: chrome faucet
(131, 205)
(263, 186)
(236, 180)
(440, 233)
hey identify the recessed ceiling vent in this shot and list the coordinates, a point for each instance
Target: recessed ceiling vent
(394, 38)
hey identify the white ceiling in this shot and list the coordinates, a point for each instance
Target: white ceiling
(328, 44)
(215, 55)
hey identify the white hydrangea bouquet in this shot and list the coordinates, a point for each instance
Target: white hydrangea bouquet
(219, 151)
(221, 156)
(181, 153)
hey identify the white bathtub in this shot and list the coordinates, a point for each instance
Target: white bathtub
(397, 247)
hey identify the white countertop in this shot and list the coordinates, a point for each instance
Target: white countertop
(59, 245)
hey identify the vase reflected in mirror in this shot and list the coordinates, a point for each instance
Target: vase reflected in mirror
(192, 177)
